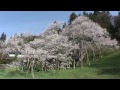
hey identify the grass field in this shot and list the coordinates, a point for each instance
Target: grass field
(104, 68)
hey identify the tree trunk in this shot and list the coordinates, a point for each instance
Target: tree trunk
(100, 52)
(45, 67)
(81, 58)
(88, 62)
(69, 64)
(29, 65)
(81, 63)
(73, 63)
(32, 69)
(77, 63)
(58, 65)
(94, 57)
(42, 66)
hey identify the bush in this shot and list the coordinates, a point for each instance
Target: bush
(6, 61)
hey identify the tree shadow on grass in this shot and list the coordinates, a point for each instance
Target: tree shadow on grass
(108, 65)
(110, 71)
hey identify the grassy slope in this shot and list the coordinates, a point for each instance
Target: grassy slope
(107, 67)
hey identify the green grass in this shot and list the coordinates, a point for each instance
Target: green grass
(105, 68)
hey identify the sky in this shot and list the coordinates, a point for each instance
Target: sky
(12, 22)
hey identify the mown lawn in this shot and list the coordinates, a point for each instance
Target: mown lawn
(104, 68)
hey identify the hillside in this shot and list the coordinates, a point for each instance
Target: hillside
(105, 68)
